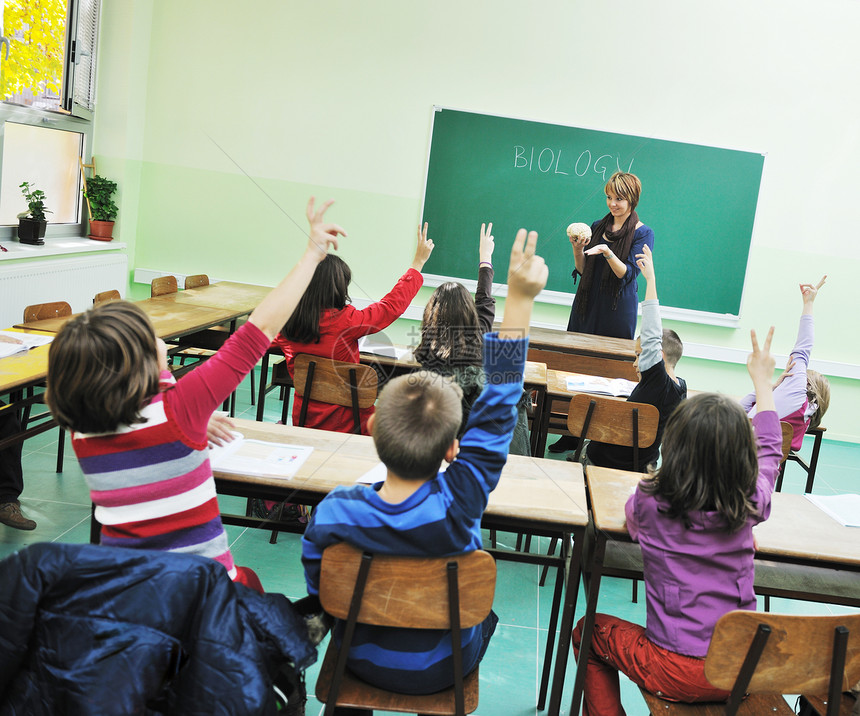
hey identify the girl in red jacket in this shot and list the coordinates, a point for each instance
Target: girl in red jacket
(325, 324)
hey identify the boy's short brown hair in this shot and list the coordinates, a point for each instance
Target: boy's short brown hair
(417, 418)
(673, 348)
(102, 369)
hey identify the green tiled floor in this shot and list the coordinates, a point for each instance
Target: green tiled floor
(510, 672)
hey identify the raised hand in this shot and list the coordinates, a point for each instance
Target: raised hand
(527, 272)
(488, 243)
(809, 292)
(322, 235)
(760, 363)
(645, 262)
(424, 248)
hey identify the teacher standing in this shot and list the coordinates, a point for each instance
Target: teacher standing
(607, 298)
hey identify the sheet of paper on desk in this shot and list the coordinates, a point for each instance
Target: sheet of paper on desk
(599, 385)
(257, 457)
(377, 473)
(27, 341)
(845, 509)
(367, 345)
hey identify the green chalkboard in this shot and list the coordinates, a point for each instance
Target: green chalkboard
(700, 201)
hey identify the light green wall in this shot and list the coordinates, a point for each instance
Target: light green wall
(220, 121)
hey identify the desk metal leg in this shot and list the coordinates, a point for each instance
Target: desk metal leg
(95, 527)
(261, 393)
(553, 623)
(538, 441)
(571, 591)
(588, 624)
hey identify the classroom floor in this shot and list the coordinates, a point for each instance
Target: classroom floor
(510, 672)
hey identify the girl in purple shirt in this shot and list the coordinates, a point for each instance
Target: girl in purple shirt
(693, 519)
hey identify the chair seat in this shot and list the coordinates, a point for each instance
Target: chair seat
(356, 693)
(752, 705)
(820, 585)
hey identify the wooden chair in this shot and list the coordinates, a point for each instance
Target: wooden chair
(767, 655)
(39, 312)
(615, 422)
(351, 385)
(112, 295)
(810, 467)
(212, 338)
(196, 281)
(407, 593)
(163, 285)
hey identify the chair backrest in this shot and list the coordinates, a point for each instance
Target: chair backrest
(335, 382)
(197, 280)
(612, 421)
(41, 311)
(590, 365)
(407, 592)
(798, 654)
(163, 285)
(787, 437)
(112, 295)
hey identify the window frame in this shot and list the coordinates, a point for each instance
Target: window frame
(71, 117)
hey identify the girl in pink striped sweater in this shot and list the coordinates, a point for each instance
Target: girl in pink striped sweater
(140, 436)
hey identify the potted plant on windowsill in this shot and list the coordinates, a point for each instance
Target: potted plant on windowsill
(99, 193)
(32, 223)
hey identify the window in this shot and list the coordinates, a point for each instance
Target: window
(47, 80)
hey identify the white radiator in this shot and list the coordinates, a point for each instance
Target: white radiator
(74, 280)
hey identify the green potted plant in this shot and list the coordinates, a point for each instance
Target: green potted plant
(99, 193)
(32, 223)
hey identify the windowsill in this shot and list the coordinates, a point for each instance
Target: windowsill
(56, 247)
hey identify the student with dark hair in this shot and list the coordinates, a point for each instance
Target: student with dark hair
(693, 519)
(452, 337)
(139, 435)
(418, 510)
(658, 351)
(326, 325)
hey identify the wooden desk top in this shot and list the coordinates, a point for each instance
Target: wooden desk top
(556, 385)
(23, 369)
(547, 491)
(796, 529)
(170, 319)
(582, 344)
(240, 297)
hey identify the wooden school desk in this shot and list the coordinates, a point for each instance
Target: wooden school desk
(796, 533)
(170, 319)
(543, 497)
(583, 353)
(239, 297)
(17, 373)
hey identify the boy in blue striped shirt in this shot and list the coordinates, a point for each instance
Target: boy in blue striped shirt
(420, 511)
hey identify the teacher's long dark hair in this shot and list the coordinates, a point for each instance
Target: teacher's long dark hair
(628, 187)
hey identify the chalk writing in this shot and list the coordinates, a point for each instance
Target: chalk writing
(550, 160)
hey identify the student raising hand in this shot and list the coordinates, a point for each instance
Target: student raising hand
(424, 248)
(761, 364)
(809, 292)
(527, 274)
(322, 234)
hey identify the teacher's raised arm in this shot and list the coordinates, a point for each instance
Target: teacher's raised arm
(605, 260)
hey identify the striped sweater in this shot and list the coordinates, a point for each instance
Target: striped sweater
(151, 482)
(442, 517)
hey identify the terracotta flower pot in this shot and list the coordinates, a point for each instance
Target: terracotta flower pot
(101, 230)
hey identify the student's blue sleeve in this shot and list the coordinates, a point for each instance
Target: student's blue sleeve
(486, 441)
(651, 335)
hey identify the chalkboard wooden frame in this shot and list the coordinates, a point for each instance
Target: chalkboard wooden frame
(700, 201)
